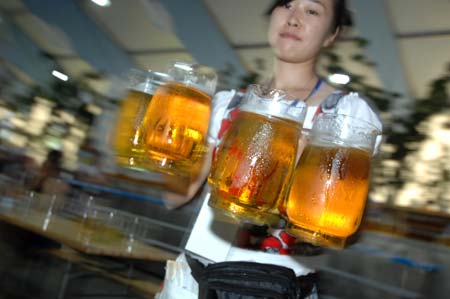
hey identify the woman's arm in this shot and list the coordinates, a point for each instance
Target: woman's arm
(182, 189)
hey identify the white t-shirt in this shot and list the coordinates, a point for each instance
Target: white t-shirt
(213, 234)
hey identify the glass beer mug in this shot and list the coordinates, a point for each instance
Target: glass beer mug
(331, 180)
(177, 119)
(252, 167)
(129, 135)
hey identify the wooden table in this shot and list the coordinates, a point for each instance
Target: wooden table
(86, 246)
(72, 233)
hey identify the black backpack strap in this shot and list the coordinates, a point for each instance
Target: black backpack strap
(197, 268)
(246, 280)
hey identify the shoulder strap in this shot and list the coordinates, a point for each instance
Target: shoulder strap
(313, 91)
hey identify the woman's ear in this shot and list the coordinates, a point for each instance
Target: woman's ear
(329, 41)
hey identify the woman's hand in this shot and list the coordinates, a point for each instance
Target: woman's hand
(181, 189)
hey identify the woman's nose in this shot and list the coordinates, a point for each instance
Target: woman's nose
(293, 23)
(293, 20)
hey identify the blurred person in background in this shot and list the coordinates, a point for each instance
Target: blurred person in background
(48, 180)
(299, 31)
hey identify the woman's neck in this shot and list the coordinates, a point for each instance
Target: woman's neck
(294, 77)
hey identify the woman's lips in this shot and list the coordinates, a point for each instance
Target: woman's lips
(290, 36)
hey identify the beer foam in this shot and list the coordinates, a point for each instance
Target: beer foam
(343, 130)
(196, 76)
(147, 87)
(205, 89)
(273, 102)
(280, 109)
(146, 81)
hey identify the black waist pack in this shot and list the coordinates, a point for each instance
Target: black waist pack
(246, 280)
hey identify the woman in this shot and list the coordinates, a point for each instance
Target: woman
(299, 30)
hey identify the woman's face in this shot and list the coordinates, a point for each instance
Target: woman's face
(300, 29)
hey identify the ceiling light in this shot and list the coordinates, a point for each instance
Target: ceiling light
(104, 3)
(339, 79)
(60, 75)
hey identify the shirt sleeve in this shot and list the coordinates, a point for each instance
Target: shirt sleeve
(220, 103)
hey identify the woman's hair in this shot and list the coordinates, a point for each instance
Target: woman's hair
(342, 16)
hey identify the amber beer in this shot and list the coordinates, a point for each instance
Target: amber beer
(331, 181)
(329, 191)
(176, 126)
(129, 134)
(252, 166)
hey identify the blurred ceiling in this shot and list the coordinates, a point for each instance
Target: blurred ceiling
(410, 39)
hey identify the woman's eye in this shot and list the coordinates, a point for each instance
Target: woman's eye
(312, 12)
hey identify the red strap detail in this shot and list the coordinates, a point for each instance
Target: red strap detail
(318, 111)
(226, 122)
(224, 127)
(271, 242)
(287, 238)
(234, 113)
